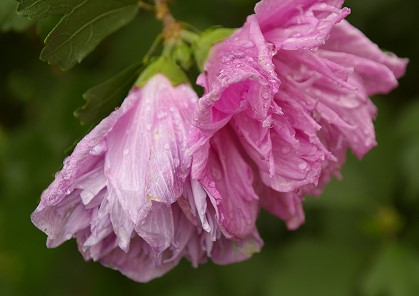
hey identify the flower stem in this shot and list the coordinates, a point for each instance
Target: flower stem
(171, 27)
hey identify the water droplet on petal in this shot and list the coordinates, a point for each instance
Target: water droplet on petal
(126, 151)
(166, 146)
(285, 149)
(98, 149)
(303, 165)
(162, 115)
(212, 184)
(217, 174)
(266, 95)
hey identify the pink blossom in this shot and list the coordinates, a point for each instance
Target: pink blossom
(293, 84)
(125, 193)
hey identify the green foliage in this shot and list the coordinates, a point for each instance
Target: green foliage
(208, 39)
(408, 129)
(103, 98)
(84, 25)
(166, 66)
(9, 19)
(361, 236)
(395, 272)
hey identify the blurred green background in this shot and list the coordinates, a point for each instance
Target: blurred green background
(361, 236)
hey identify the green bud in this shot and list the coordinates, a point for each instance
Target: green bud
(206, 41)
(183, 55)
(166, 66)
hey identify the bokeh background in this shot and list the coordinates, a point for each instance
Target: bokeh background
(361, 236)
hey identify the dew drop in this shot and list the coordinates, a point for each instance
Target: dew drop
(265, 95)
(247, 44)
(303, 165)
(285, 149)
(162, 115)
(228, 59)
(212, 184)
(217, 174)
(166, 146)
(126, 151)
(98, 149)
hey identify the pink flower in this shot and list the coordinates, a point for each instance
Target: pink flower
(292, 87)
(126, 196)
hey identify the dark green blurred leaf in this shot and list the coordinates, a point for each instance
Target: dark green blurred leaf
(395, 272)
(410, 166)
(9, 19)
(409, 122)
(311, 267)
(2, 141)
(103, 98)
(84, 25)
(408, 131)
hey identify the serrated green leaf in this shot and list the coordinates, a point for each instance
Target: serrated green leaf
(84, 25)
(395, 272)
(206, 41)
(36, 9)
(9, 19)
(103, 98)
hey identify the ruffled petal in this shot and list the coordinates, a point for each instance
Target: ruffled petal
(228, 181)
(240, 78)
(351, 47)
(298, 24)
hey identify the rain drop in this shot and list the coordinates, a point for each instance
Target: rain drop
(162, 115)
(266, 95)
(303, 165)
(285, 149)
(98, 149)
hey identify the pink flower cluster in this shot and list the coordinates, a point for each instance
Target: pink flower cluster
(168, 176)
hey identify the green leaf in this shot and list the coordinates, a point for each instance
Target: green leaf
(84, 25)
(166, 66)
(410, 167)
(103, 98)
(408, 143)
(36, 9)
(206, 41)
(394, 273)
(313, 267)
(9, 19)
